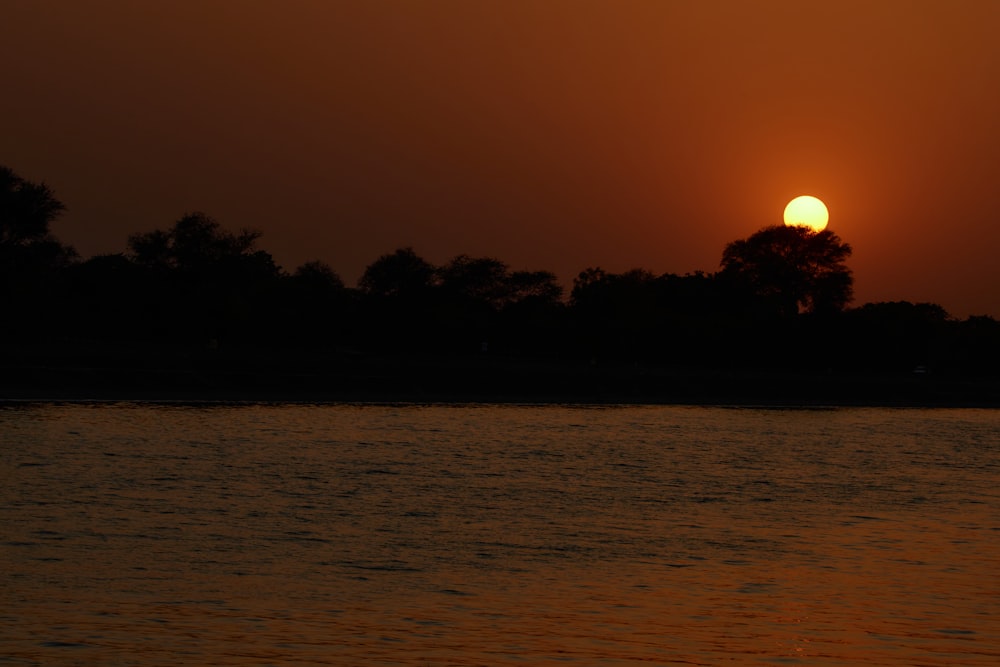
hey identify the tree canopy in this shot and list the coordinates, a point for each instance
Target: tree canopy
(26, 210)
(399, 274)
(779, 297)
(197, 242)
(31, 258)
(792, 269)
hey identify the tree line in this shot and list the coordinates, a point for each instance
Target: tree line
(780, 299)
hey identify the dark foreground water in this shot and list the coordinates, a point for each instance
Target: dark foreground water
(493, 535)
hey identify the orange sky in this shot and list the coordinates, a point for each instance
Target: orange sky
(552, 134)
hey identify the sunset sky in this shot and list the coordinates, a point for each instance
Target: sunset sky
(551, 134)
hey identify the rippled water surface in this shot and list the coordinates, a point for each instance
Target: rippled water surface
(489, 535)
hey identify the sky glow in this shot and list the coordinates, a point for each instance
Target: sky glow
(557, 135)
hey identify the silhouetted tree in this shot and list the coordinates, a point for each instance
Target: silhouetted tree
(536, 287)
(398, 297)
(316, 305)
(533, 321)
(195, 243)
(26, 210)
(471, 292)
(210, 283)
(792, 268)
(317, 278)
(30, 257)
(975, 348)
(617, 314)
(480, 280)
(400, 274)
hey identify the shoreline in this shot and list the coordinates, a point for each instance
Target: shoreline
(340, 378)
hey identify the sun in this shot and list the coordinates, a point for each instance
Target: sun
(807, 211)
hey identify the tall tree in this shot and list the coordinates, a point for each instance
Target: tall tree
(27, 247)
(480, 279)
(196, 242)
(400, 274)
(792, 268)
(315, 306)
(535, 287)
(26, 210)
(398, 291)
(209, 282)
(31, 259)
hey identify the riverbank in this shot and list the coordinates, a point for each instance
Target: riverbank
(112, 373)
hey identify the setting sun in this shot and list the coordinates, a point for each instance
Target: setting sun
(807, 211)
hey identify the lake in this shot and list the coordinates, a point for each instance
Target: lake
(287, 534)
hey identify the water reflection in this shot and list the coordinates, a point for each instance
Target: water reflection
(490, 535)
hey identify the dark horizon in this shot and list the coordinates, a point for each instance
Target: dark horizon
(186, 303)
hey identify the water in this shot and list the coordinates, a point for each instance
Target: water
(138, 534)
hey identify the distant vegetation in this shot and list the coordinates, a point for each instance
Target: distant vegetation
(780, 299)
